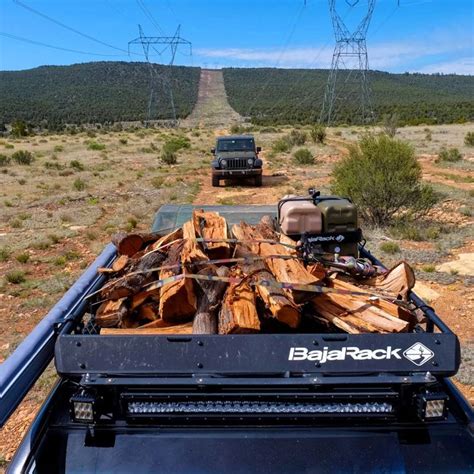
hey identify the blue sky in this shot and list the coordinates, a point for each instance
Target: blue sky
(414, 35)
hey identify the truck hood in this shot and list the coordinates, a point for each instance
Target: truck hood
(236, 154)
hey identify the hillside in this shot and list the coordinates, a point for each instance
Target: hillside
(119, 91)
(270, 95)
(93, 92)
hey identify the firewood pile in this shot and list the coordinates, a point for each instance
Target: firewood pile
(205, 278)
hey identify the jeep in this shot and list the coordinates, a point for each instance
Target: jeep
(236, 157)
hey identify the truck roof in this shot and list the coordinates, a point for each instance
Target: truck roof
(226, 137)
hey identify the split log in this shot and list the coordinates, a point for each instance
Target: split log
(360, 307)
(284, 270)
(400, 280)
(156, 331)
(112, 313)
(191, 252)
(210, 225)
(167, 239)
(275, 300)
(132, 283)
(391, 308)
(209, 297)
(149, 310)
(338, 316)
(177, 299)
(268, 222)
(127, 244)
(117, 266)
(238, 314)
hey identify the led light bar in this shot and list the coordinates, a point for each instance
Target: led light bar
(254, 407)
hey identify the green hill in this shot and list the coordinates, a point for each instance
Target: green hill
(272, 96)
(101, 92)
(93, 92)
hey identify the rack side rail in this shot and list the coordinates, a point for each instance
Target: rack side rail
(21, 370)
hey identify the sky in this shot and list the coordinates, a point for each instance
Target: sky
(428, 36)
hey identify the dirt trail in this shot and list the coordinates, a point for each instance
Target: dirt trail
(212, 108)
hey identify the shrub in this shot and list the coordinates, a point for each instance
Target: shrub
(390, 124)
(19, 128)
(469, 139)
(79, 184)
(95, 146)
(389, 247)
(168, 156)
(77, 165)
(382, 177)
(123, 141)
(16, 277)
(429, 268)
(157, 182)
(318, 133)
(58, 148)
(4, 160)
(297, 138)
(23, 157)
(449, 154)
(4, 254)
(174, 144)
(303, 157)
(281, 146)
(23, 257)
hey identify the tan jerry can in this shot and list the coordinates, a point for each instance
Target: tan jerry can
(339, 215)
(299, 217)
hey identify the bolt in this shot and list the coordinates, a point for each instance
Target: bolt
(200, 366)
(200, 343)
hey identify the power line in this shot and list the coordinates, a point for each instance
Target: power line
(70, 28)
(39, 43)
(147, 12)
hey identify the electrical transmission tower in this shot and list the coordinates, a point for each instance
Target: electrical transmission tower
(161, 77)
(348, 82)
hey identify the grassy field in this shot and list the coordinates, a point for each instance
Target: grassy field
(58, 212)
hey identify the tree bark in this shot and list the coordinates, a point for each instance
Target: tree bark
(210, 225)
(209, 297)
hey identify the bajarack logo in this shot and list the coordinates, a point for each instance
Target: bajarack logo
(322, 356)
(418, 354)
(326, 238)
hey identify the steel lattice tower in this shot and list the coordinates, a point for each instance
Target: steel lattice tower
(164, 79)
(348, 81)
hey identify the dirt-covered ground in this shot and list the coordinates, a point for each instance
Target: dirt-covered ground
(57, 213)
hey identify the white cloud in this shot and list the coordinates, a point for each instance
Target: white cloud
(458, 66)
(401, 56)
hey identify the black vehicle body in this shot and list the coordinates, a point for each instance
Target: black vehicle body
(155, 397)
(235, 162)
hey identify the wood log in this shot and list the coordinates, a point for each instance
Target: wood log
(191, 251)
(338, 316)
(186, 328)
(364, 309)
(210, 225)
(399, 281)
(111, 313)
(209, 297)
(127, 244)
(238, 314)
(387, 306)
(275, 300)
(132, 283)
(149, 310)
(167, 239)
(177, 299)
(287, 271)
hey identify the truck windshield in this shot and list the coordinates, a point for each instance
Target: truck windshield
(236, 144)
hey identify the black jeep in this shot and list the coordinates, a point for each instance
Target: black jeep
(236, 157)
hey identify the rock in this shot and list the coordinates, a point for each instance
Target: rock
(425, 292)
(464, 265)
